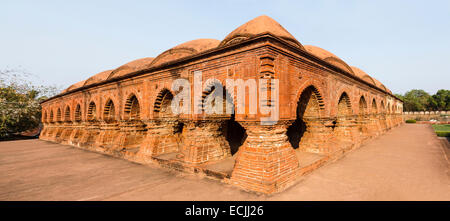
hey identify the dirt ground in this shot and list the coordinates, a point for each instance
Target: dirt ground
(407, 163)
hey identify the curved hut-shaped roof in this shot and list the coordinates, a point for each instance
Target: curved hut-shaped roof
(74, 86)
(130, 67)
(380, 85)
(98, 78)
(329, 57)
(259, 25)
(186, 49)
(363, 75)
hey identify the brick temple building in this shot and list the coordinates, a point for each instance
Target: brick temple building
(326, 108)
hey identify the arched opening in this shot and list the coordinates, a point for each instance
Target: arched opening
(44, 117)
(78, 113)
(344, 106)
(362, 106)
(362, 117)
(235, 134)
(59, 115)
(216, 100)
(374, 107)
(308, 109)
(109, 111)
(215, 95)
(92, 112)
(51, 117)
(162, 107)
(383, 110)
(67, 114)
(344, 131)
(132, 109)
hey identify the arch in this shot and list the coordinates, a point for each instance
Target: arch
(383, 110)
(162, 106)
(109, 111)
(374, 107)
(362, 106)
(344, 105)
(51, 116)
(132, 109)
(308, 107)
(315, 90)
(59, 115)
(213, 92)
(92, 111)
(67, 114)
(78, 113)
(44, 116)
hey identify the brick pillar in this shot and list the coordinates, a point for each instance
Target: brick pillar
(346, 132)
(162, 137)
(374, 126)
(67, 131)
(383, 122)
(57, 131)
(362, 122)
(318, 136)
(92, 130)
(108, 132)
(77, 133)
(203, 141)
(266, 162)
(44, 131)
(130, 137)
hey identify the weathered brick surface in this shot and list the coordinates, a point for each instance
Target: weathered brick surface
(325, 107)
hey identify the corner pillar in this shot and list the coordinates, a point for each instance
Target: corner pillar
(266, 162)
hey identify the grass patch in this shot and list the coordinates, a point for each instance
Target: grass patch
(442, 130)
(410, 121)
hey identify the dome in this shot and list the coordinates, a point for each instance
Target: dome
(184, 50)
(380, 85)
(328, 57)
(98, 78)
(74, 86)
(259, 25)
(132, 66)
(363, 75)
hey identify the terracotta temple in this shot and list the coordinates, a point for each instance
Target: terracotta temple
(326, 108)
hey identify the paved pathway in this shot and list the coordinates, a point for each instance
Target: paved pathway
(407, 163)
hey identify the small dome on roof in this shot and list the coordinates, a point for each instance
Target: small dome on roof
(184, 50)
(363, 75)
(132, 66)
(259, 25)
(74, 86)
(380, 85)
(98, 78)
(329, 57)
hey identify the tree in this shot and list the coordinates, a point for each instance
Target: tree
(20, 108)
(440, 101)
(415, 100)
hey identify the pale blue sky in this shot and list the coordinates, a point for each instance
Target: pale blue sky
(404, 44)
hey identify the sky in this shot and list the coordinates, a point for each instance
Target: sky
(403, 44)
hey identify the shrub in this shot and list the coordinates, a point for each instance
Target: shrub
(411, 121)
(443, 133)
(442, 130)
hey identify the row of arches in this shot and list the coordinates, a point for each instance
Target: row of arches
(131, 112)
(311, 128)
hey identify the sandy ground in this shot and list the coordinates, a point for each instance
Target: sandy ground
(407, 163)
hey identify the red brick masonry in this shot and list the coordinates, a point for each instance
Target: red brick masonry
(326, 108)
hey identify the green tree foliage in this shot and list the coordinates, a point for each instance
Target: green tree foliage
(440, 101)
(419, 100)
(19, 102)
